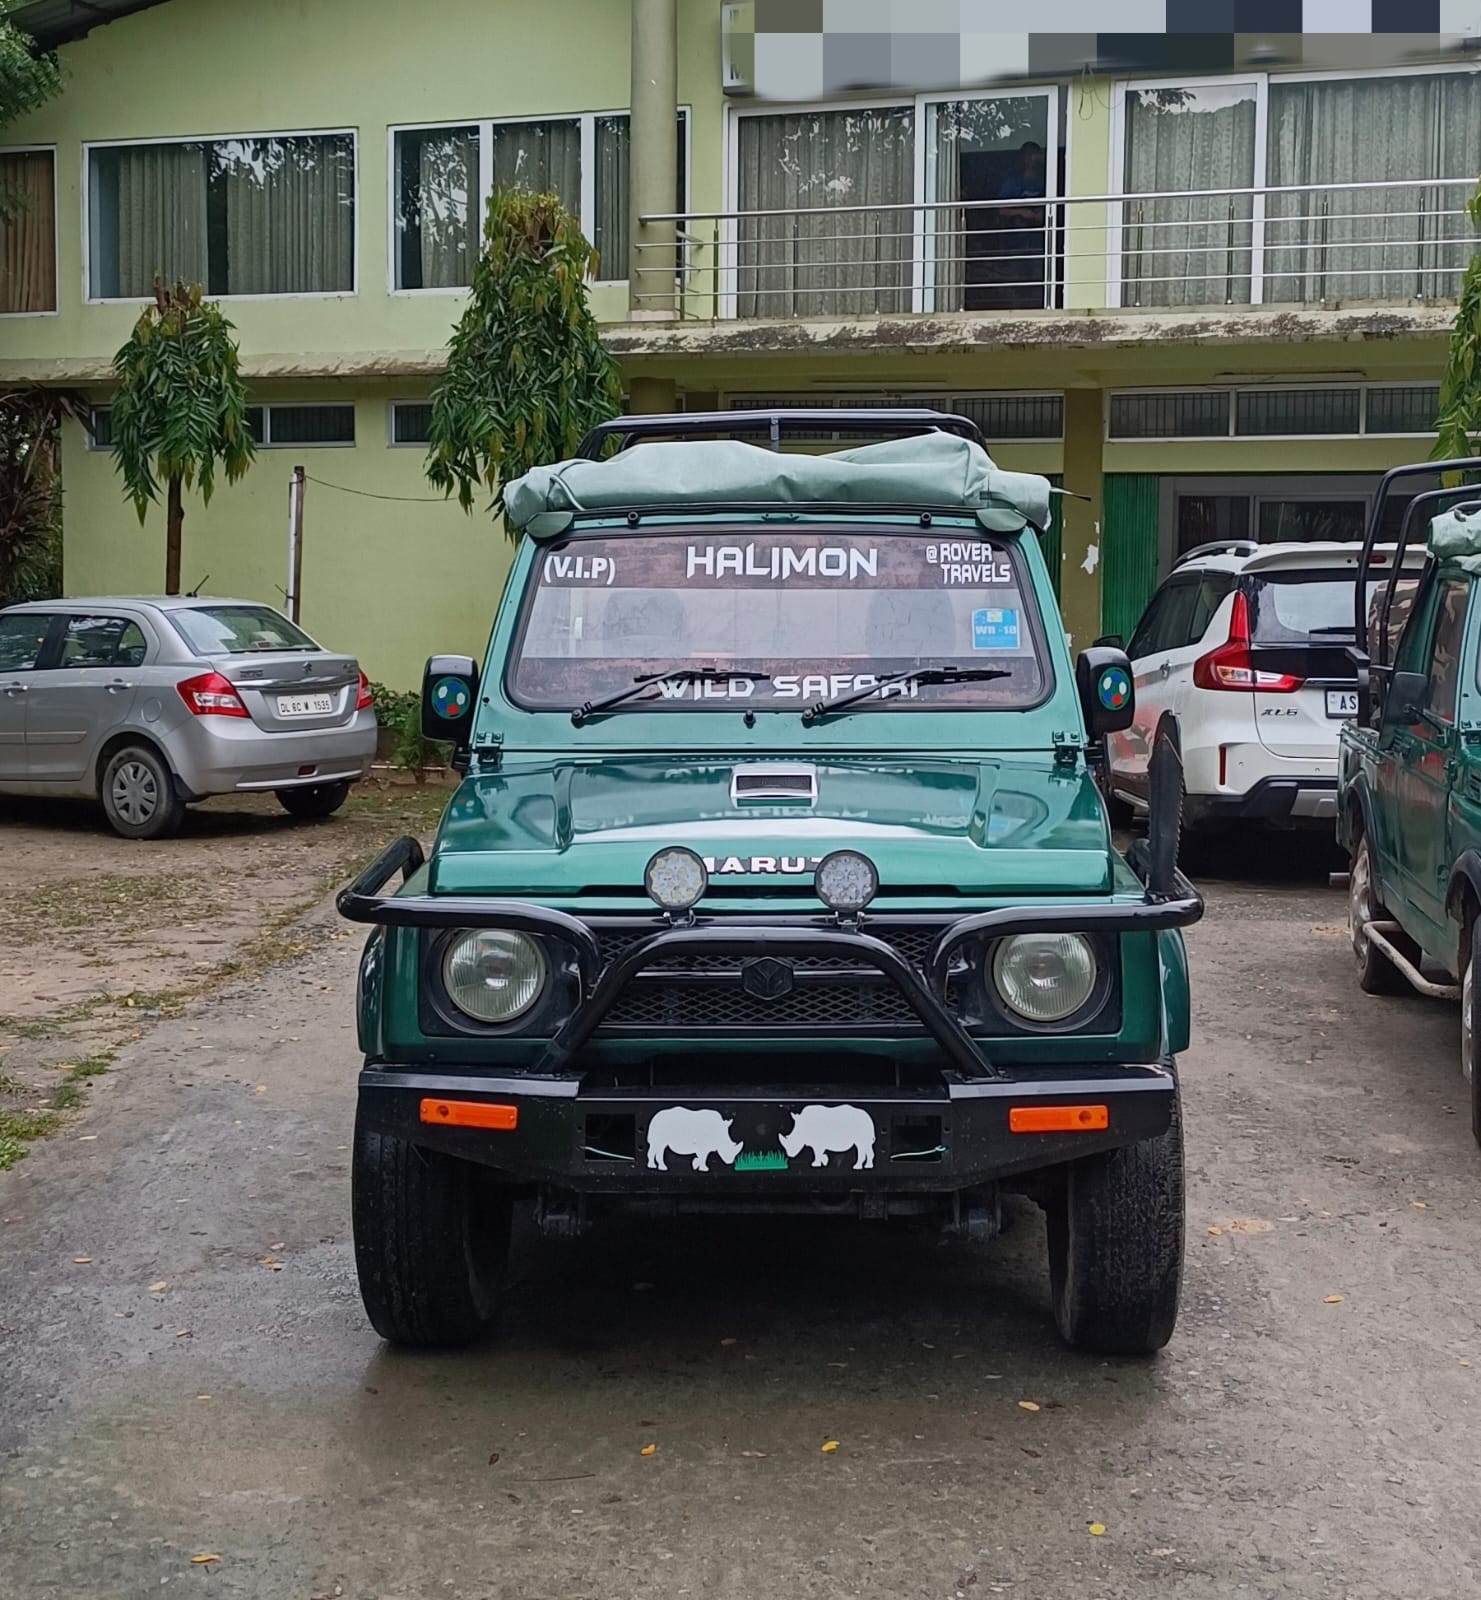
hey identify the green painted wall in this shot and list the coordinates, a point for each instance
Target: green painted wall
(1129, 549)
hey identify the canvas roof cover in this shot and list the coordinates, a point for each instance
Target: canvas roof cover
(931, 472)
(1456, 534)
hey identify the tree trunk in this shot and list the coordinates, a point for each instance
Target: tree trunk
(174, 521)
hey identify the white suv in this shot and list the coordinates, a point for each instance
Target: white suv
(1249, 645)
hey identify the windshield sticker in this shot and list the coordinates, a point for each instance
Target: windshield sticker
(450, 698)
(580, 569)
(994, 628)
(973, 566)
(781, 563)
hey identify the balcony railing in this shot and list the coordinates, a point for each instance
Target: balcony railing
(1396, 241)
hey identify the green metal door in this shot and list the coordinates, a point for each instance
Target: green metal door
(1051, 543)
(1128, 548)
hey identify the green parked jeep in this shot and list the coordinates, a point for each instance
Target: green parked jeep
(1409, 773)
(778, 880)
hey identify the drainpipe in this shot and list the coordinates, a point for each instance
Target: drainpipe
(654, 171)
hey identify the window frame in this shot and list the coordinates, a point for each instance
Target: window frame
(392, 407)
(267, 407)
(1262, 81)
(70, 620)
(921, 297)
(56, 231)
(1443, 580)
(1233, 390)
(90, 145)
(485, 126)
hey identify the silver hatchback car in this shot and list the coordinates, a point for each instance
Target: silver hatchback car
(149, 704)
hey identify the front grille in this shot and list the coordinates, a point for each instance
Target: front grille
(705, 993)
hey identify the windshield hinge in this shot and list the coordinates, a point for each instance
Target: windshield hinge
(488, 748)
(1067, 747)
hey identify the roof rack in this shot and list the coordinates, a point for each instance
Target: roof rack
(1221, 547)
(775, 424)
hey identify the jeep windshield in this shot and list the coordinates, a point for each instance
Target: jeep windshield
(796, 616)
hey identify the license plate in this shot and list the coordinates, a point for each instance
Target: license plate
(1342, 702)
(312, 705)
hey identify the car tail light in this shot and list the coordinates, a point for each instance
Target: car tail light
(1229, 667)
(210, 695)
(364, 700)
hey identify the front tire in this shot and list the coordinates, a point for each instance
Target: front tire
(139, 795)
(1376, 973)
(1470, 1025)
(313, 801)
(1116, 1246)
(431, 1242)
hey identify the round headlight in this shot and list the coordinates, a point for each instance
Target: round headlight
(1044, 977)
(846, 881)
(676, 879)
(495, 974)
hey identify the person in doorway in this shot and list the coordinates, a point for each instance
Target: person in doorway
(1020, 241)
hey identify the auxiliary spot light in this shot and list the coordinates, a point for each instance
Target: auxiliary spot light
(675, 879)
(846, 882)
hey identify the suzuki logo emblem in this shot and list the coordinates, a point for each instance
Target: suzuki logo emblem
(766, 978)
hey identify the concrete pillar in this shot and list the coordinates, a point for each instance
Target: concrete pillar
(647, 397)
(1080, 533)
(654, 172)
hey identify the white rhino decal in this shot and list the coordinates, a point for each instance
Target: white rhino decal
(682, 1132)
(826, 1128)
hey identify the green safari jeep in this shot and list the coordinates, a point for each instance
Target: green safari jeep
(778, 880)
(1409, 768)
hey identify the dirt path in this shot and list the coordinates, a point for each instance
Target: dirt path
(101, 936)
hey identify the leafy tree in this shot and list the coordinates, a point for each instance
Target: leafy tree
(1459, 421)
(30, 492)
(526, 373)
(27, 80)
(180, 408)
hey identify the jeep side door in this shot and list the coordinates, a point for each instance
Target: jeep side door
(1426, 759)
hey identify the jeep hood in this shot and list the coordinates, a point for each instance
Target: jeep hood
(558, 831)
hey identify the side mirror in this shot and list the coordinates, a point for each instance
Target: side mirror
(449, 699)
(1103, 678)
(1404, 701)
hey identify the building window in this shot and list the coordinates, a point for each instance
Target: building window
(291, 426)
(100, 428)
(251, 216)
(1195, 414)
(411, 422)
(442, 177)
(1275, 411)
(1001, 417)
(28, 232)
(1361, 211)
(1403, 408)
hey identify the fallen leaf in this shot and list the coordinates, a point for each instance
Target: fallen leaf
(493, 1459)
(760, 1455)
(1215, 1233)
(158, 1288)
(203, 1397)
(1095, 1528)
(82, 1261)
(1250, 1225)
(727, 1341)
(829, 1446)
(1332, 1300)
(184, 1333)
(1464, 1363)
(261, 1088)
(1419, 1205)
(206, 1560)
(838, 1363)
(1028, 1405)
(649, 1450)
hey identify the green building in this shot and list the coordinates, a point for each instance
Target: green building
(1212, 297)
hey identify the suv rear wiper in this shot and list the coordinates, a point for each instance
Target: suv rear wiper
(595, 708)
(841, 702)
(1338, 627)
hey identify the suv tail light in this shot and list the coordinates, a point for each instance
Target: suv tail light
(210, 695)
(364, 699)
(1229, 666)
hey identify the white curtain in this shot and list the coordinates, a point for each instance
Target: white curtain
(1182, 250)
(807, 262)
(610, 227)
(1370, 244)
(448, 221)
(28, 220)
(946, 238)
(290, 214)
(161, 217)
(540, 158)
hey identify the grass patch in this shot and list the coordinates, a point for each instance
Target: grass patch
(18, 1128)
(91, 1067)
(68, 1095)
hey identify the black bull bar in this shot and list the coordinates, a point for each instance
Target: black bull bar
(363, 901)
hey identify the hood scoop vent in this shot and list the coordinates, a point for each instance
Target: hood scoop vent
(768, 783)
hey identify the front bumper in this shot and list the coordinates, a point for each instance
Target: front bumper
(945, 1135)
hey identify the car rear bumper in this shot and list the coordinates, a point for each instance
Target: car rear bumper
(753, 1139)
(1302, 802)
(224, 755)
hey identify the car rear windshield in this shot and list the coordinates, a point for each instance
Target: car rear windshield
(238, 630)
(1296, 607)
(822, 612)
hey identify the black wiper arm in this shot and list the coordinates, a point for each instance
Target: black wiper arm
(841, 702)
(1340, 627)
(646, 680)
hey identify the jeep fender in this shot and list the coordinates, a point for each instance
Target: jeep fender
(1464, 875)
(1356, 799)
(1172, 970)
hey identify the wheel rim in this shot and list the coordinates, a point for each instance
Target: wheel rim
(1360, 902)
(1467, 1031)
(135, 793)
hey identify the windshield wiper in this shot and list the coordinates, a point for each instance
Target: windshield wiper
(646, 680)
(841, 702)
(1339, 627)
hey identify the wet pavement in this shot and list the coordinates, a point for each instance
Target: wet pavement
(1311, 1431)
